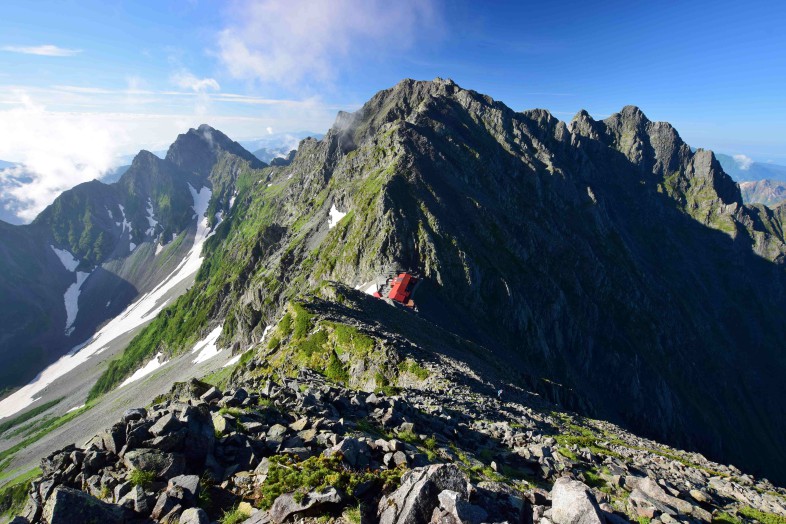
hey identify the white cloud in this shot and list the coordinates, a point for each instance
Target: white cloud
(41, 50)
(186, 80)
(57, 151)
(743, 162)
(200, 86)
(301, 40)
(269, 130)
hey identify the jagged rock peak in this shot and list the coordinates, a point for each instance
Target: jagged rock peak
(144, 158)
(582, 115)
(631, 111)
(197, 150)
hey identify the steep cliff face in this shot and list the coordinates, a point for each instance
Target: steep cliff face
(601, 255)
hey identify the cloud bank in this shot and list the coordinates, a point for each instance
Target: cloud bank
(56, 151)
(288, 43)
(41, 50)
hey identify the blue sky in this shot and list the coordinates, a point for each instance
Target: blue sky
(117, 76)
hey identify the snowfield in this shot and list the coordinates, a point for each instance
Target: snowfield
(206, 347)
(71, 298)
(69, 261)
(144, 309)
(232, 361)
(144, 371)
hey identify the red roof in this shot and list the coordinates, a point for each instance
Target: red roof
(399, 291)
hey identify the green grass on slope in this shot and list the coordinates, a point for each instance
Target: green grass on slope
(24, 417)
(247, 234)
(6, 454)
(13, 496)
(172, 330)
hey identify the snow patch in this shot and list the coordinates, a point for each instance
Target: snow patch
(151, 221)
(267, 329)
(232, 199)
(75, 408)
(109, 212)
(143, 310)
(131, 246)
(207, 346)
(144, 371)
(161, 245)
(126, 224)
(71, 299)
(232, 361)
(69, 261)
(335, 216)
(371, 289)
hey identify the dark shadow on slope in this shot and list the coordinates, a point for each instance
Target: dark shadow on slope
(40, 339)
(665, 325)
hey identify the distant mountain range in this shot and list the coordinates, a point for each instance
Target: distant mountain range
(760, 182)
(768, 192)
(267, 149)
(271, 147)
(743, 170)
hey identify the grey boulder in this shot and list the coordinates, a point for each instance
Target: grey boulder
(416, 499)
(67, 506)
(194, 516)
(165, 465)
(573, 503)
(286, 506)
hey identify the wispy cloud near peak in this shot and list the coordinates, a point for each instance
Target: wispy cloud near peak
(41, 50)
(186, 80)
(743, 162)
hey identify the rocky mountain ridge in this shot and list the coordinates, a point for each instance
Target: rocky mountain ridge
(433, 444)
(577, 250)
(596, 266)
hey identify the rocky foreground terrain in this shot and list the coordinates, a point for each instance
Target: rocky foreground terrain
(354, 410)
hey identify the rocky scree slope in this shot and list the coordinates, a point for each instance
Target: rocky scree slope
(603, 256)
(98, 246)
(430, 443)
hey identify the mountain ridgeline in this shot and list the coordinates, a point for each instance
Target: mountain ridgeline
(611, 267)
(98, 246)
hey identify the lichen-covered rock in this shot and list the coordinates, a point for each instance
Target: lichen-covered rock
(69, 506)
(414, 502)
(573, 503)
(163, 464)
(194, 516)
(288, 505)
